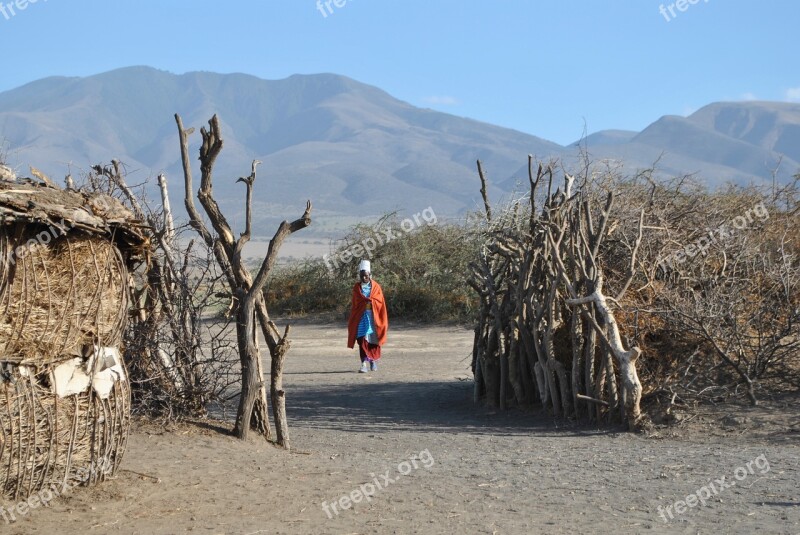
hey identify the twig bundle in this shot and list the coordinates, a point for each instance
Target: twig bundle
(593, 282)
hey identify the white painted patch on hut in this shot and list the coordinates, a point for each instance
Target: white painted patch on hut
(70, 378)
(108, 370)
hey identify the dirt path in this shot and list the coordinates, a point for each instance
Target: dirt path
(468, 470)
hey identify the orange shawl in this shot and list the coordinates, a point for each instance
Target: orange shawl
(359, 305)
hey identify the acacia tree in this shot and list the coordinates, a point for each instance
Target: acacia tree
(248, 292)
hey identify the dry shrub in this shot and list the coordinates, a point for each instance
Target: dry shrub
(719, 320)
(180, 348)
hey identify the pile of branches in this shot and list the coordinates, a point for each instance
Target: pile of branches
(602, 292)
(179, 344)
(725, 312)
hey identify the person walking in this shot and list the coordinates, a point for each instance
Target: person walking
(368, 322)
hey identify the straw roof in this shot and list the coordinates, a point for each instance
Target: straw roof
(30, 202)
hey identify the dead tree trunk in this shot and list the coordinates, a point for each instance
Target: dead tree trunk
(277, 393)
(252, 413)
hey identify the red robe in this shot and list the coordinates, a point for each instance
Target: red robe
(359, 305)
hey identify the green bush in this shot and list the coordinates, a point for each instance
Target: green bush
(305, 287)
(422, 273)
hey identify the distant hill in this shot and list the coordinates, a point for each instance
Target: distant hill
(726, 141)
(352, 148)
(607, 137)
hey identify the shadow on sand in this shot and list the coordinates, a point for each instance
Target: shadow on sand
(425, 407)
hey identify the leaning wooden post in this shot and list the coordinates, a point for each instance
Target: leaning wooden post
(626, 359)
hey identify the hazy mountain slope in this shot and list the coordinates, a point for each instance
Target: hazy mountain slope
(348, 145)
(352, 148)
(606, 137)
(773, 126)
(685, 137)
(742, 142)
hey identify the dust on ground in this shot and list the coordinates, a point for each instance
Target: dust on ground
(409, 436)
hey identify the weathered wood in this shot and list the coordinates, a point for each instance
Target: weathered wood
(593, 400)
(478, 382)
(277, 392)
(538, 310)
(169, 223)
(484, 194)
(247, 291)
(625, 358)
(97, 214)
(577, 353)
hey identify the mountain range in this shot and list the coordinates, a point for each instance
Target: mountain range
(353, 149)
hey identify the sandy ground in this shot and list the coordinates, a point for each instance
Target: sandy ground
(409, 436)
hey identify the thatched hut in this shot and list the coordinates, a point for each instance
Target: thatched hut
(65, 258)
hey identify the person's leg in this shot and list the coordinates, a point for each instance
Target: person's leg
(363, 354)
(373, 352)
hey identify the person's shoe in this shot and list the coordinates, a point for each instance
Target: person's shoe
(364, 368)
(373, 366)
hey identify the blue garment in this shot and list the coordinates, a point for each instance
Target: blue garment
(367, 324)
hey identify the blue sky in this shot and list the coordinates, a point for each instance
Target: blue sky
(542, 67)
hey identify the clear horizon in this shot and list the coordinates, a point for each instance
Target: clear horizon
(541, 69)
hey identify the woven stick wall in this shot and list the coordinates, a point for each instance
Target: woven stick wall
(62, 297)
(47, 442)
(64, 391)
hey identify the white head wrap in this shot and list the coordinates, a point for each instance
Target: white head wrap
(364, 266)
